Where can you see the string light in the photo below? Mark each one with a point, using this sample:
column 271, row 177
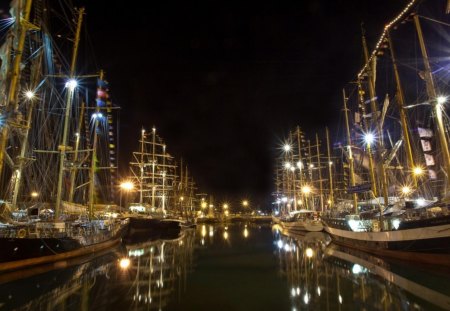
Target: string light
column 383, row 35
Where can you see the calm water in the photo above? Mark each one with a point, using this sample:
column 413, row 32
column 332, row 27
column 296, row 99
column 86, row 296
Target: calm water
column 229, row 267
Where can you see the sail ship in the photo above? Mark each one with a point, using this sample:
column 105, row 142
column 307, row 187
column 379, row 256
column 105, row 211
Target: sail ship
column 48, row 206
column 396, row 209
column 154, row 175
column 299, row 183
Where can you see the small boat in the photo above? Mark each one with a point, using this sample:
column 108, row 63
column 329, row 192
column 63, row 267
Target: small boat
column 302, row 220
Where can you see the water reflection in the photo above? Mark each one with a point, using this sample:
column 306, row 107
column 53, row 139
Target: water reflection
column 323, row 276
column 139, row 276
column 152, row 270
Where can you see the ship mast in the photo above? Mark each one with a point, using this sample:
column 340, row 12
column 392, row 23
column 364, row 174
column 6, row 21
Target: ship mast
column 153, row 166
column 435, row 102
column 401, row 109
column 350, row 153
column 70, row 92
column 319, row 173
column 15, row 75
column 330, row 172
column 374, row 110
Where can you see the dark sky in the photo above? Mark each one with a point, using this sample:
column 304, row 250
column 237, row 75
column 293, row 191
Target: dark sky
column 224, row 82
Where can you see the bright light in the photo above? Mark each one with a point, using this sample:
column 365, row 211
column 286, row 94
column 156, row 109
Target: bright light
column 396, row 223
column 245, row 203
column 204, row 204
column 340, row 299
column 406, row 190
column 225, row 206
column 357, row 269
column 29, row 94
column 245, row 233
column 203, row 231
column 34, row 194
column 420, row 202
column 306, row 189
column 306, row 298
column 124, row 263
column 441, row 100
column 97, row 115
column 417, row 171
column 287, row 147
column 71, row 84
column 330, row 163
column 287, row 165
column 226, row 213
column 311, row 165
column 181, row 199
column 309, row 252
column 280, row 244
column 127, row 185
column 299, row 164
column 369, row 138
column 284, row 199
column 299, row 202
column 225, row 235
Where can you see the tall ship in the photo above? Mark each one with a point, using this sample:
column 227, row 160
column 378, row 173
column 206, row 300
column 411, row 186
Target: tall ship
column 164, row 190
column 52, row 164
column 396, row 155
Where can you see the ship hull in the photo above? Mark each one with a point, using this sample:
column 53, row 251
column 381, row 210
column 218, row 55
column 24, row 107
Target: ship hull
column 143, row 228
column 304, row 226
column 419, row 241
column 26, row 252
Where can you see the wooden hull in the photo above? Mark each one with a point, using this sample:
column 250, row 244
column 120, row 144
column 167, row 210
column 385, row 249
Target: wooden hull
column 82, row 251
column 305, row 226
column 424, row 244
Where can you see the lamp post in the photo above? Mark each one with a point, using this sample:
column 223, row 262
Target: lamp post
column 245, row 205
column 126, row 186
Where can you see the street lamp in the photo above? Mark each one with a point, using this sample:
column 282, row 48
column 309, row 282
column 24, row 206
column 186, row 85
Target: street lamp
column 126, row 186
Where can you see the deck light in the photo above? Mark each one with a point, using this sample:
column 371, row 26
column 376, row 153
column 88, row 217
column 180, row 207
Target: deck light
column 417, row 171
column 71, row 84
column 441, row 100
column 369, row 138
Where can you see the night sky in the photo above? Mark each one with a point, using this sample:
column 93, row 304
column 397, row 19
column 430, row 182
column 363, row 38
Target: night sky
column 224, row 82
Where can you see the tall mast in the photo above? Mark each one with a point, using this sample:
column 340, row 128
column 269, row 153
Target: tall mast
column 401, row 109
column 437, row 106
column 300, row 160
column 350, row 153
column 292, row 168
column 73, row 171
column 374, row 110
column 97, row 116
column 153, row 166
column 141, row 169
column 368, row 144
column 320, row 173
column 164, row 181
column 11, row 103
column 330, row 171
column 70, row 93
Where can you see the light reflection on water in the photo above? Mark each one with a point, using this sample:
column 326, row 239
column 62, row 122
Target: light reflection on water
column 323, row 276
column 234, row 266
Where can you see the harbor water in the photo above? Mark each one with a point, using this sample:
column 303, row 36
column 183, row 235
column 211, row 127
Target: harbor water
column 228, row 266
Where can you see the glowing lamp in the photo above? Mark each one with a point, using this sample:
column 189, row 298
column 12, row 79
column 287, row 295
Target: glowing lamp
column 418, row 171
column 441, row 100
column 71, row 84
column 369, row 138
